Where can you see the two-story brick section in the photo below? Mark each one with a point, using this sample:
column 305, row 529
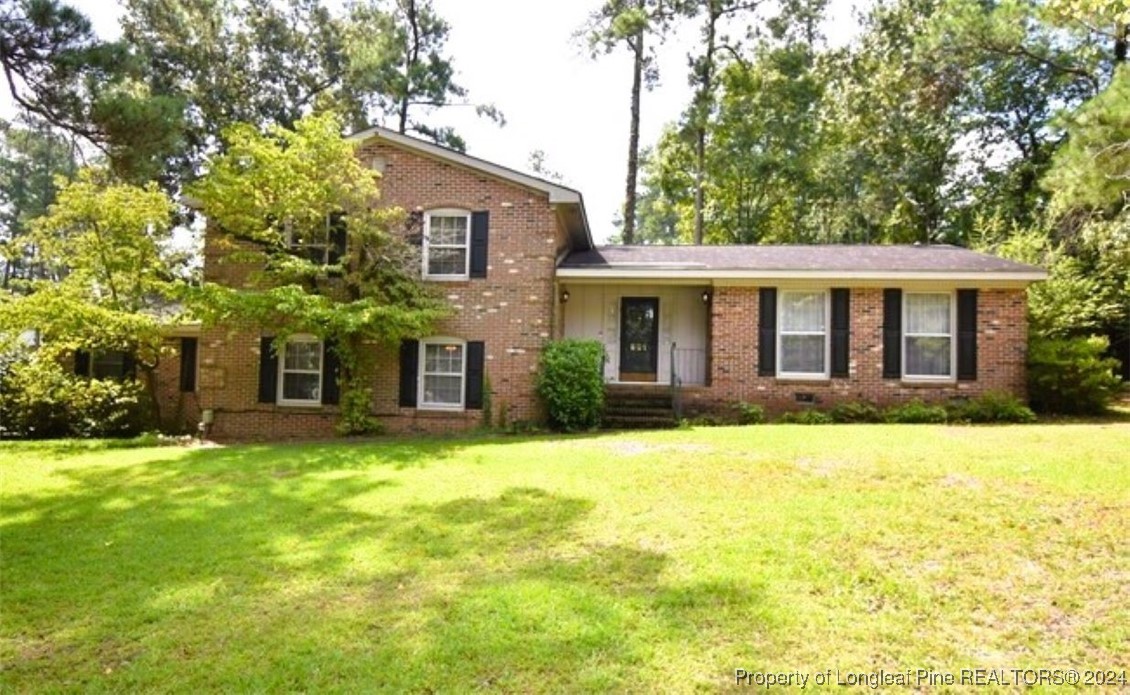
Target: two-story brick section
column 775, row 325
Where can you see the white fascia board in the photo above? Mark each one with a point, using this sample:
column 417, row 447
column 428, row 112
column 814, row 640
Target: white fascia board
column 635, row 273
column 557, row 194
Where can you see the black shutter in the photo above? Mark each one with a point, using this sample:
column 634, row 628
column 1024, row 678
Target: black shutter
column 331, row 372
column 409, row 366
column 268, row 371
column 480, row 227
column 841, row 331
column 338, row 237
column 767, row 332
column 892, row 333
column 129, row 365
column 188, row 364
column 967, row 335
column 473, row 395
column 82, row 363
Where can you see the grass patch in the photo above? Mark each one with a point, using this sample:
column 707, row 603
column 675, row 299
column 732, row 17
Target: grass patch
column 634, row 561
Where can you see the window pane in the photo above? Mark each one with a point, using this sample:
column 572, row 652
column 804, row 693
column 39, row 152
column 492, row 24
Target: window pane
column 303, row 355
column 301, row 387
column 927, row 356
column 802, row 354
column 443, row 359
column 927, row 313
column 802, row 311
column 447, row 261
column 443, row 389
column 107, row 365
column 448, row 230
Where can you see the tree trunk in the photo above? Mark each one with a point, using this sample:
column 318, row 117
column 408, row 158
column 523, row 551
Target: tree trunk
column 1121, row 39
column 633, row 144
column 702, row 116
column 413, row 58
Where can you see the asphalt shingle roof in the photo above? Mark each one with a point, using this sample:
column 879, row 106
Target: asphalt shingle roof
column 848, row 258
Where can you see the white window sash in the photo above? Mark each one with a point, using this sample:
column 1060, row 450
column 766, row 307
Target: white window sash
column 950, row 337
column 783, row 333
column 281, row 398
column 429, row 245
column 421, row 401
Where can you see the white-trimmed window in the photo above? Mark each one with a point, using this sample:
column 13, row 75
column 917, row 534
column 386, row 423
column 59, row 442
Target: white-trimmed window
column 316, row 245
column 443, row 373
column 300, row 371
column 447, row 242
column 802, row 334
column 928, row 341
column 107, row 364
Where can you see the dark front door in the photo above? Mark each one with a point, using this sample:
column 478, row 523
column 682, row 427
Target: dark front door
column 639, row 338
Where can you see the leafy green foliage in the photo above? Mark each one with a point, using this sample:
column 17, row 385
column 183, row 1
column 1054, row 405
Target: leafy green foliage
column 104, row 249
column 749, row 413
column 916, row 412
column 59, row 72
column 1070, row 375
column 855, row 411
column 40, row 400
column 30, row 160
column 809, row 416
column 992, row 407
column 570, row 382
column 267, row 191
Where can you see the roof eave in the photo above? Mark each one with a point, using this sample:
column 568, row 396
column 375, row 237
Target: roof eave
column 707, row 275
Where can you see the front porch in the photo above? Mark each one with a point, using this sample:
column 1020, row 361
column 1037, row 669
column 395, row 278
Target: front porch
column 652, row 334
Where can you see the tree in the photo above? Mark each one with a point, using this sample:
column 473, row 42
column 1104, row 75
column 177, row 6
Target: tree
column 629, row 23
column 704, row 68
column 397, row 63
column 60, row 73
column 270, row 62
column 104, row 245
column 280, row 195
column 30, row 160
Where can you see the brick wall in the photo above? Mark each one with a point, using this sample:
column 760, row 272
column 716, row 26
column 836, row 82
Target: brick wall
column 1002, row 335
column 511, row 310
column 179, row 411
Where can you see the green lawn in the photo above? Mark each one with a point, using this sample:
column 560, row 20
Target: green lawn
column 649, row 561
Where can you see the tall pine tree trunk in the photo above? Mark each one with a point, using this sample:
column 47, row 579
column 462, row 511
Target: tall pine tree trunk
column 703, row 103
column 633, row 143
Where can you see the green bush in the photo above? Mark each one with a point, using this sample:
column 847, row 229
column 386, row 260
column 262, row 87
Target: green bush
column 571, row 383
column 40, row 400
column 855, row 412
column 749, row 413
column 1071, row 375
column 916, row 412
column 806, row 417
column 993, row 406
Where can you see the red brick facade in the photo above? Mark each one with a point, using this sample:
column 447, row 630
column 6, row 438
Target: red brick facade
column 515, row 310
column 1002, row 335
column 511, row 310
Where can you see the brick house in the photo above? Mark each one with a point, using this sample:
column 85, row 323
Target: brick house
column 775, row 325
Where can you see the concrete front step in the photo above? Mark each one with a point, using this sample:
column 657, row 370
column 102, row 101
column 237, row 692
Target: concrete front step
column 638, row 422
column 638, row 407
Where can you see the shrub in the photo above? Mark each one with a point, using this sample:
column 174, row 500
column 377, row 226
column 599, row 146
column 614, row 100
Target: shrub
column 993, row 406
column 855, row 412
column 806, row 417
column 571, row 383
column 916, row 412
column 749, row 413
column 40, row 400
column 1070, row 375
